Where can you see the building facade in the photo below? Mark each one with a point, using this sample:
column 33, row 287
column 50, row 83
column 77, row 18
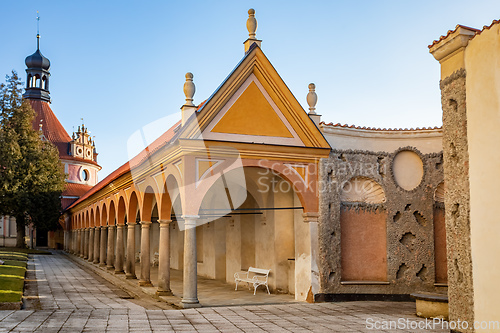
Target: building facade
column 248, row 178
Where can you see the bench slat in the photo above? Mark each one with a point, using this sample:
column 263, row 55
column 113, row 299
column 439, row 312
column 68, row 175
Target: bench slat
column 258, row 270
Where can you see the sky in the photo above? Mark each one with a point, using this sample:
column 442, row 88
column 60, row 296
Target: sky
column 120, row 65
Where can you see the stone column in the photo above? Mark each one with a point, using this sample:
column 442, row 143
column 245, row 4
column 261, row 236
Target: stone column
column 91, row 244
column 130, row 264
column 84, row 241
column 145, row 278
column 97, row 244
column 110, row 260
column 102, row 247
column 119, row 249
column 86, row 234
column 190, row 288
column 164, row 260
column 81, row 240
column 78, row 242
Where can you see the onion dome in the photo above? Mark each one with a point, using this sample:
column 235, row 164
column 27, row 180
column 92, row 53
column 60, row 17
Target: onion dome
column 37, row 83
column 37, row 61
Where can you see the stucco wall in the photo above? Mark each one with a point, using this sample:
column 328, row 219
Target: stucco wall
column 409, row 221
column 344, row 138
column 482, row 63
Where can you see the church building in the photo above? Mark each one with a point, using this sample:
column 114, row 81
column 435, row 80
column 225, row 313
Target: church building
column 77, row 153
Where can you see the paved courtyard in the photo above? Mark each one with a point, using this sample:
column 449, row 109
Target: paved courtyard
column 74, row 299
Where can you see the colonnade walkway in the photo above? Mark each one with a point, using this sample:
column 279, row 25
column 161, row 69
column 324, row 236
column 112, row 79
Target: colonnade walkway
column 66, row 296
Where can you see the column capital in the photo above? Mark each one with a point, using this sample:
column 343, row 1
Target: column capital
column 131, row 224
column 145, row 224
column 110, row 226
column 164, row 223
column 120, row 226
column 190, row 220
column 104, row 226
column 310, row 217
column 97, row 227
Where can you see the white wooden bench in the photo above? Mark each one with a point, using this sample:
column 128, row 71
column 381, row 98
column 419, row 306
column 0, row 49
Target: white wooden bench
column 255, row 276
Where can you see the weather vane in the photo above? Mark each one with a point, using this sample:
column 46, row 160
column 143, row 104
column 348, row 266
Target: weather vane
column 37, row 30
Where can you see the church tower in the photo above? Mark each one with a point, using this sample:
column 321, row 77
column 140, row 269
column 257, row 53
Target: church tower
column 77, row 153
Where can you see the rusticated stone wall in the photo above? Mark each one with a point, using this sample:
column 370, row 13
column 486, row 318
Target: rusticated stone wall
column 457, row 198
column 409, row 221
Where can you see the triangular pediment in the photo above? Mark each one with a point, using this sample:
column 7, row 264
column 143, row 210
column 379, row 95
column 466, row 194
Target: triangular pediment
column 254, row 105
column 251, row 115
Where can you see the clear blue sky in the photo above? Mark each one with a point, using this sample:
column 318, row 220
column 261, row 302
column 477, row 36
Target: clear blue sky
column 120, row 64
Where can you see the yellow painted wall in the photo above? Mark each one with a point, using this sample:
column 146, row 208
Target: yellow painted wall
column 482, row 60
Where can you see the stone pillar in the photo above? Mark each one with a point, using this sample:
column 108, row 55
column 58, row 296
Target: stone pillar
column 102, row 252
column 190, row 288
column 91, row 244
column 110, row 260
column 81, row 241
column 164, row 260
column 145, row 278
column 119, row 249
column 130, row 264
column 86, row 243
column 97, row 244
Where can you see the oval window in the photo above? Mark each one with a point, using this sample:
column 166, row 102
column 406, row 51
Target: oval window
column 85, row 174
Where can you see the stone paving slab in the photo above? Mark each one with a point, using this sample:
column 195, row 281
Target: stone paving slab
column 323, row 317
column 76, row 300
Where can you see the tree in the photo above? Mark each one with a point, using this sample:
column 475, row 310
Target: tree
column 31, row 175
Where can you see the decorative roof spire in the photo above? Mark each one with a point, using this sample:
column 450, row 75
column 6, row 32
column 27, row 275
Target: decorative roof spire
column 37, row 83
column 251, row 24
column 252, row 28
column 312, row 99
column 189, row 89
column 37, row 31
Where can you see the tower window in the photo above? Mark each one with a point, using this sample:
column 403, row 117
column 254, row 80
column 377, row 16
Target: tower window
column 85, row 174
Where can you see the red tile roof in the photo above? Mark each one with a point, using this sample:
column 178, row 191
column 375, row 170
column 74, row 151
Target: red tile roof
column 51, row 127
column 477, row 31
column 76, row 190
column 380, row 129
column 163, row 140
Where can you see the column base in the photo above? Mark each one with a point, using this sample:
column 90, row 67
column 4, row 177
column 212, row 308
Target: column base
column 144, row 283
column 190, row 304
column 96, row 261
column 109, row 268
column 102, row 265
column 129, row 276
column 164, row 293
column 119, row 272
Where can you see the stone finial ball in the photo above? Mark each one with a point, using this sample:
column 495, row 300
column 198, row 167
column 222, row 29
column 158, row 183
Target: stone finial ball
column 312, row 86
column 189, row 75
column 251, row 11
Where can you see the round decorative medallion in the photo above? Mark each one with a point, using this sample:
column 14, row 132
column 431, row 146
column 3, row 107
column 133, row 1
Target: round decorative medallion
column 408, row 169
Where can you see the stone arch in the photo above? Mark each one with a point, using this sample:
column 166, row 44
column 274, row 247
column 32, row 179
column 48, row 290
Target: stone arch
column 98, row 216
column 87, row 219
column 133, row 207
column 112, row 213
column 92, row 219
column 148, row 201
column 121, row 211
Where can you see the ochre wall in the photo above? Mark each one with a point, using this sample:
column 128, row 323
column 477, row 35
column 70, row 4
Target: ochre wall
column 482, row 61
column 363, row 245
